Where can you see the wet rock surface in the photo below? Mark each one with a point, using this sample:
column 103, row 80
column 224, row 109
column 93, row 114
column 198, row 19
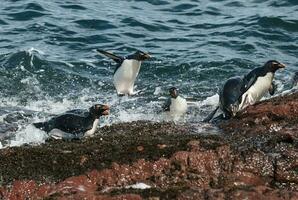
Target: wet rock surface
column 254, row 157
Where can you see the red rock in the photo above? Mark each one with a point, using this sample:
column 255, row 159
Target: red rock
column 3, row 192
column 43, row 191
column 205, row 162
column 93, row 176
column 127, row 197
column 106, row 177
column 257, row 163
column 181, row 157
column 243, row 179
column 214, row 194
column 192, row 194
column 286, row 167
column 263, row 193
column 141, row 170
column 21, row 190
column 160, row 165
column 76, row 184
column 194, row 145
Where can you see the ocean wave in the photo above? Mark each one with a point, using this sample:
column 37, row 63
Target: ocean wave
column 48, row 64
column 154, row 27
column 34, row 6
column 95, row 24
column 277, row 22
column 26, row 15
column 74, row 6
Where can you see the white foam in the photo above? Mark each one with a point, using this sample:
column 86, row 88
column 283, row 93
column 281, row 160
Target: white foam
column 130, row 115
column 157, row 91
column 32, row 50
column 28, row 135
column 210, row 101
column 123, row 109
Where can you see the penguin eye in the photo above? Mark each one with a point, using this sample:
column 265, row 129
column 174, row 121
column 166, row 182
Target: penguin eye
column 96, row 107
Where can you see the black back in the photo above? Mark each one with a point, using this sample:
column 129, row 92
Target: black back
column 270, row 66
column 252, row 77
column 230, row 93
column 69, row 122
column 138, row 55
column 135, row 56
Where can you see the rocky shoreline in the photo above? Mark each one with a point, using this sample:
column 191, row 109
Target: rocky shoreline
column 255, row 157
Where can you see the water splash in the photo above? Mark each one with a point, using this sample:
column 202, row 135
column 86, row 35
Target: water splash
column 28, row 135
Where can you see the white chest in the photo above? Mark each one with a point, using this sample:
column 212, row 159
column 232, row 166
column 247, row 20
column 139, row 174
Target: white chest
column 178, row 106
column 125, row 76
column 261, row 86
column 257, row 90
column 93, row 129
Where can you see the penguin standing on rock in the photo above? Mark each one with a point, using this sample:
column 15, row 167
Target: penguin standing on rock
column 258, row 82
column 74, row 124
column 126, row 71
column 238, row 93
column 176, row 105
column 229, row 99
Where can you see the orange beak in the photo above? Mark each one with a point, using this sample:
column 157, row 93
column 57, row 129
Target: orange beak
column 281, row 65
column 106, row 109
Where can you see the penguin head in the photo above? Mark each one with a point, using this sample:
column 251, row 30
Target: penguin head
column 233, row 109
column 99, row 110
column 139, row 56
column 273, row 65
column 173, row 92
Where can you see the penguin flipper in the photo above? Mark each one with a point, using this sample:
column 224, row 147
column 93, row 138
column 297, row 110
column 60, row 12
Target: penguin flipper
column 210, row 116
column 272, row 88
column 40, row 125
column 248, row 81
column 166, row 106
column 117, row 59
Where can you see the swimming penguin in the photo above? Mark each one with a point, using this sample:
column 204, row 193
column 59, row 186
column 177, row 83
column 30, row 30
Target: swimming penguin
column 238, row 93
column 74, row 124
column 126, row 71
column 176, row 105
column 229, row 99
column 295, row 80
column 258, row 82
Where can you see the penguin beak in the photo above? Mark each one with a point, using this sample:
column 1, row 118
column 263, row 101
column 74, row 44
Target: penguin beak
column 281, row 65
column 234, row 109
column 106, row 110
column 146, row 56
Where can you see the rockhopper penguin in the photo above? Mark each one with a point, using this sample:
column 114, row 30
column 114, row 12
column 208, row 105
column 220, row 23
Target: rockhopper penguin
column 74, row 124
column 126, row 71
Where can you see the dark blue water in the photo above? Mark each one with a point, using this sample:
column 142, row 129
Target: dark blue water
column 48, row 64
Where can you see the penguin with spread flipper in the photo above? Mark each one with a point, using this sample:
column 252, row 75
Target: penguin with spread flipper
column 126, row 71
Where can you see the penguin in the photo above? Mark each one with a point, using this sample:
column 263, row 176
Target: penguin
column 295, row 80
column 258, row 82
column 238, row 93
column 176, row 105
column 229, row 99
column 73, row 124
column 126, row 71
